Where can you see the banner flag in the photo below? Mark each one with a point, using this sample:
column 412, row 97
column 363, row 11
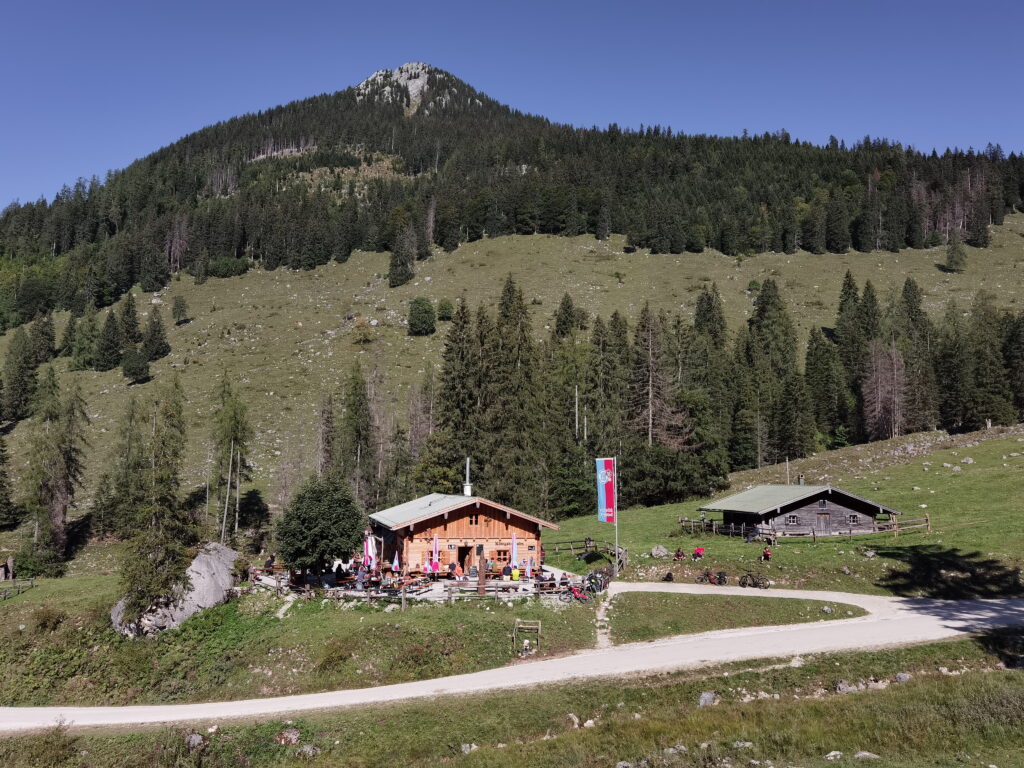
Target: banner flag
column 606, row 501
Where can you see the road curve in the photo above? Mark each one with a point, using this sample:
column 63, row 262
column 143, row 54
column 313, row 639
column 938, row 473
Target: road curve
column 890, row 621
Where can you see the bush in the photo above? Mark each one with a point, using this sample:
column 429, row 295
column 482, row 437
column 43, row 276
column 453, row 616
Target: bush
column 47, row 619
column 445, row 309
column 227, row 267
column 134, row 365
column 421, row 317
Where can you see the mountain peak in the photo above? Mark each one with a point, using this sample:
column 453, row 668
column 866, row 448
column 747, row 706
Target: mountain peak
column 426, row 86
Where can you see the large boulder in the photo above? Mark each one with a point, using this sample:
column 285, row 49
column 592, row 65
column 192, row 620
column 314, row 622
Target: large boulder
column 211, row 576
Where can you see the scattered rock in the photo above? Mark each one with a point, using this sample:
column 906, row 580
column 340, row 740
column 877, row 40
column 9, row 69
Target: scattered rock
column 195, row 742
column 946, row 464
column 957, row 469
column 467, row 748
column 707, row 699
column 742, row 744
column 846, row 570
column 307, row 751
column 574, row 720
column 669, row 751
column 966, row 460
column 623, row 764
column 869, row 554
column 865, row 755
column 835, row 754
column 289, row 737
column 826, row 609
column 904, row 677
column 659, row 551
column 589, row 724
column 844, row 687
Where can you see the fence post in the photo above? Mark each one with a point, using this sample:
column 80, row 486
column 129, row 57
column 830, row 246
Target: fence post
column 403, row 598
column 928, row 519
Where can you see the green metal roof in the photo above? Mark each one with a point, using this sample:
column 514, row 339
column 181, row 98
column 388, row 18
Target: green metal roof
column 417, row 509
column 765, row 498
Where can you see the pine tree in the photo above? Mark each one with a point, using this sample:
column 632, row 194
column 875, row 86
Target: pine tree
column 356, row 436
column 794, row 420
column 709, row 316
column 10, row 513
column 153, row 271
column 67, row 339
column 989, row 397
column 458, row 398
column 122, row 489
column 837, row 224
column 19, row 384
column 154, row 342
column 134, row 365
column 870, row 314
column 109, row 345
column 445, row 310
column 849, row 336
column 55, row 456
column 154, row 568
column 325, row 435
column 403, row 255
column 952, row 368
column 83, row 350
column 977, row 223
column 179, row 310
column 41, row 336
column 772, row 331
column 231, row 438
column 128, row 317
column 956, row 254
column 826, row 386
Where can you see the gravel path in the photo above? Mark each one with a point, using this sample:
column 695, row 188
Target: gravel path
column 890, row 622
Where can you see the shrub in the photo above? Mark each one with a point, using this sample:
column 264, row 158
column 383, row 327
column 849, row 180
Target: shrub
column 445, row 309
column 421, row 317
column 227, row 267
column 134, row 365
column 46, row 618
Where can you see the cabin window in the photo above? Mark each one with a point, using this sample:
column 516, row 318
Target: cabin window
column 792, row 519
column 822, row 503
column 502, row 554
column 853, row 519
column 474, row 519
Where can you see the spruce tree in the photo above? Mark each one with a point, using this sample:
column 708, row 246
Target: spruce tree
column 41, row 336
column 772, row 331
column 977, row 223
column 837, row 224
column 109, row 345
column 19, row 384
column 67, row 339
column 83, row 349
column 179, row 310
column 231, row 438
column 134, row 365
column 403, row 255
column 794, row 420
column 154, row 342
column 956, row 254
column 709, row 316
column 457, row 392
column 11, row 514
column 989, row 397
column 357, row 436
column 128, row 317
column 154, row 567
column 826, row 386
column 445, row 310
column 952, row 369
column 122, row 489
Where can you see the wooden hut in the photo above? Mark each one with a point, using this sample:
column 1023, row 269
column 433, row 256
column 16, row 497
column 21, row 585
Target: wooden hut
column 469, row 529
column 801, row 509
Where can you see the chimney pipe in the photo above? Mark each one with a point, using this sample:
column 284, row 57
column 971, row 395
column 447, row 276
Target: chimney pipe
column 799, row 479
column 467, row 487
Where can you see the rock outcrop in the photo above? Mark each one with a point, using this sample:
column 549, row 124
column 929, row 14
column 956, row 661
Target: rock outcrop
column 211, row 576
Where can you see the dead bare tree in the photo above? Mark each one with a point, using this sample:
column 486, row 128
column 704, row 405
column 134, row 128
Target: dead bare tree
column 885, row 391
column 176, row 243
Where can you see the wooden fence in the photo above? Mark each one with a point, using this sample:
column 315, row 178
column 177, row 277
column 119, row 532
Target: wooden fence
column 15, row 587
column 582, row 547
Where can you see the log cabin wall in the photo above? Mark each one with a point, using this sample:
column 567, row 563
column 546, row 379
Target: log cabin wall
column 460, row 532
column 828, row 513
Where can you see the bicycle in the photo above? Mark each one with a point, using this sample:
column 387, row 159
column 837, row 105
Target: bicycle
column 720, row 578
column 572, row 592
column 751, row 579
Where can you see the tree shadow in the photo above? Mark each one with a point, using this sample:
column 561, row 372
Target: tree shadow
column 947, row 573
column 1005, row 644
column 253, row 511
column 946, row 270
column 78, row 531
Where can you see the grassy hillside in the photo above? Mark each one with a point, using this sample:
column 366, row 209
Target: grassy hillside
column 286, row 336
column 975, row 549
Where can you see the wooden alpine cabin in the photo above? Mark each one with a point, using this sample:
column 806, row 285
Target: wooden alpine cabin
column 800, row 510
column 461, row 524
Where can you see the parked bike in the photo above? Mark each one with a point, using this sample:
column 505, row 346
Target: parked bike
column 751, row 579
column 572, row 592
column 720, row 578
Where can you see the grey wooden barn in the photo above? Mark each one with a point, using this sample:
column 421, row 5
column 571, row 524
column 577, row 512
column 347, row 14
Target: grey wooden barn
column 800, row 510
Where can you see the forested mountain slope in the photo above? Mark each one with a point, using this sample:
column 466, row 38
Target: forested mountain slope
column 416, row 158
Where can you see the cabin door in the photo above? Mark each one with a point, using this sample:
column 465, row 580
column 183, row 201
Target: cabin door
column 824, row 522
column 464, row 558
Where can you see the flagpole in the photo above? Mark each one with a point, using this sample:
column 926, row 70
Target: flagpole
column 615, row 508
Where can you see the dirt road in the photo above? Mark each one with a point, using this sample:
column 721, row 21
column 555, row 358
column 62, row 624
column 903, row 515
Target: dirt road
column 890, row 621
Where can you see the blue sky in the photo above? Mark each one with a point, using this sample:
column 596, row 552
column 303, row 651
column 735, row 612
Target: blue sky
column 90, row 87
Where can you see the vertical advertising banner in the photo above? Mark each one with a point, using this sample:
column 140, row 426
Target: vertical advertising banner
column 606, row 501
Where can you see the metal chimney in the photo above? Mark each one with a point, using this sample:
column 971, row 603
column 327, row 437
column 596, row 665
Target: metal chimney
column 799, row 479
column 467, row 487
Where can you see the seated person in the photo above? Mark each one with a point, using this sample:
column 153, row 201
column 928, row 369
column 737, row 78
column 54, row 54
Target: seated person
column 679, row 555
column 506, row 572
column 564, row 581
column 698, row 554
column 766, row 555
